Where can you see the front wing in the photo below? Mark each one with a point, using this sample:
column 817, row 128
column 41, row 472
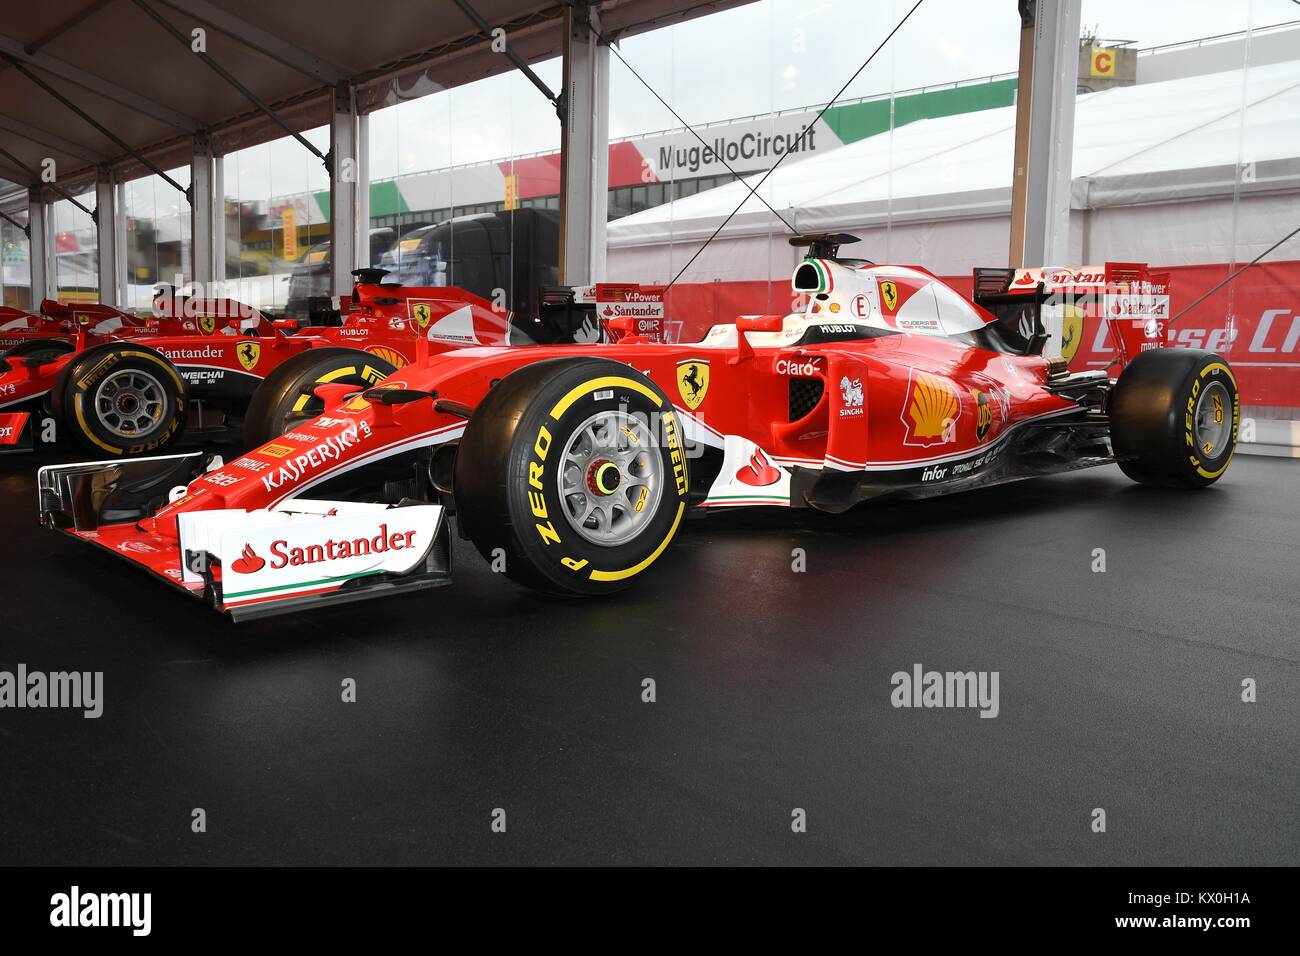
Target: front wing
column 248, row 564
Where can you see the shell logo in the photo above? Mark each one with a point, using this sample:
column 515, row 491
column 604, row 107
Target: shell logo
column 393, row 357
column 930, row 410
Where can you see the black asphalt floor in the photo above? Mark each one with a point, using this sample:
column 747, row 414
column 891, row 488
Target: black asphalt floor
column 1119, row 690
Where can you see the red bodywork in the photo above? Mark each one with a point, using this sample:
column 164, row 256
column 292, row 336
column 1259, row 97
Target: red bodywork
column 798, row 410
column 747, row 396
column 224, row 349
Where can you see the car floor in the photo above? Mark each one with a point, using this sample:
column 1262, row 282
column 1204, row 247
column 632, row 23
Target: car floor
column 1120, row 691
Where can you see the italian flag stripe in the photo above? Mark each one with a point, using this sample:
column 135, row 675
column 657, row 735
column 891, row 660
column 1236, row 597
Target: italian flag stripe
column 299, row 586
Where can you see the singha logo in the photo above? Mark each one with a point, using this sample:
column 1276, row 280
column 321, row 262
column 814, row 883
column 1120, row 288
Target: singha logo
column 851, row 392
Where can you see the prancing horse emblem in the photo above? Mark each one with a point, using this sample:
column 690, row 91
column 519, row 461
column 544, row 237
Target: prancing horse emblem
column 889, row 293
column 249, row 354
column 693, row 381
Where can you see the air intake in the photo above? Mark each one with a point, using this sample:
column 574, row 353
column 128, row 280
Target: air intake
column 805, row 393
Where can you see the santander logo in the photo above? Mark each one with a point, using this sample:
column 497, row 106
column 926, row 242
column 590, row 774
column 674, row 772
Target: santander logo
column 285, row 554
column 248, row 561
column 759, row 472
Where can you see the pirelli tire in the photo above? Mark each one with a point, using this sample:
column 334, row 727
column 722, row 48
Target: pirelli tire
column 284, row 397
column 573, row 471
column 121, row 399
column 1174, row 418
column 43, row 350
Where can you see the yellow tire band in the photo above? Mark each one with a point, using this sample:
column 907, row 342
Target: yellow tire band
column 1236, row 407
column 337, row 374
column 642, row 565
column 81, row 418
column 563, row 405
column 608, row 381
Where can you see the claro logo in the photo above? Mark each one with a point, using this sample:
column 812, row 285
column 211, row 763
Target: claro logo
column 799, row 368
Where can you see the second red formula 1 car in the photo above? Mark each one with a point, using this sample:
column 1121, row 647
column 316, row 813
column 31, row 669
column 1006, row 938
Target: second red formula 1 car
column 123, row 385
column 577, row 463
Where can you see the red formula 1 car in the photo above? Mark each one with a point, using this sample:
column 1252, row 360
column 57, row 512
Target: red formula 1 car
column 577, row 463
column 129, row 386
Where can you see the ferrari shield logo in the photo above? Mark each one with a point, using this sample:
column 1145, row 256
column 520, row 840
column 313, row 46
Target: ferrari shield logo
column 693, row 381
column 249, row 353
column 1071, row 331
column 208, row 324
column 420, row 312
column 889, row 295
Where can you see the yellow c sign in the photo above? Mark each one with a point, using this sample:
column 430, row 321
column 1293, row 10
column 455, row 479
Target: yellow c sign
column 1102, row 62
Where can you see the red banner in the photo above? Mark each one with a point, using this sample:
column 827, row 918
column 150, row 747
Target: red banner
column 1254, row 320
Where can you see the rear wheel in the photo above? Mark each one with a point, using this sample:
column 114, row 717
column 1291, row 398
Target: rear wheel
column 284, row 399
column 574, row 471
column 121, row 399
column 43, row 350
column 1174, row 416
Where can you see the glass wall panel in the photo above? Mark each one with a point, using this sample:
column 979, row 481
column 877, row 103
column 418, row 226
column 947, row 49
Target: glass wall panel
column 277, row 211
column 76, row 247
column 15, row 256
column 465, row 188
column 923, row 130
column 1186, row 136
column 158, row 242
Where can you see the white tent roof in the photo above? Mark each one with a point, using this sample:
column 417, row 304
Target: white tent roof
column 1149, row 142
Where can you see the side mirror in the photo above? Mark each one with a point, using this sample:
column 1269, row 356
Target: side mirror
column 285, row 325
column 759, row 323
column 395, row 396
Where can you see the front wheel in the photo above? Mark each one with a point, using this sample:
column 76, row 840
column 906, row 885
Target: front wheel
column 1174, row 416
column 285, row 399
column 574, row 472
column 121, row 399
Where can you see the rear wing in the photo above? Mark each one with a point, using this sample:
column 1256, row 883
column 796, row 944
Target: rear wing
column 1132, row 301
column 604, row 312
